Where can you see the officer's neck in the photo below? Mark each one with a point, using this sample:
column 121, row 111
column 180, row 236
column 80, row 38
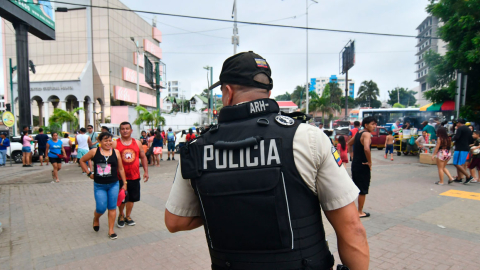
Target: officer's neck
column 240, row 97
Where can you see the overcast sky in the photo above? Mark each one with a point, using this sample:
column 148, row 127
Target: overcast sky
column 389, row 61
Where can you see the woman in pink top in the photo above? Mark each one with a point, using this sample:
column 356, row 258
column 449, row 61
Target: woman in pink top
column 26, row 149
column 343, row 150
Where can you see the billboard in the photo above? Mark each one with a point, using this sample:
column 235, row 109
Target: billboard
column 41, row 10
column 148, row 71
column 347, row 57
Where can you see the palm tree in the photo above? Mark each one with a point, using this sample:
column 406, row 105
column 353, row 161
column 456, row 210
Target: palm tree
column 323, row 105
column 60, row 117
column 297, row 95
column 157, row 118
column 368, row 91
column 151, row 118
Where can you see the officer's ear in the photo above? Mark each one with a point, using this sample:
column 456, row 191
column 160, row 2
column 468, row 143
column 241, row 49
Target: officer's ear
column 269, row 93
column 229, row 95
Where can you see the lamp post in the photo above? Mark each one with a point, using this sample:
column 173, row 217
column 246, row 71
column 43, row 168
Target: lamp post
column 95, row 118
column 306, row 84
column 138, row 79
column 210, row 94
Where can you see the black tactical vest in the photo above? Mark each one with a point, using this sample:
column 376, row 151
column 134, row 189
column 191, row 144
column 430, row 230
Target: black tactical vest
column 258, row 213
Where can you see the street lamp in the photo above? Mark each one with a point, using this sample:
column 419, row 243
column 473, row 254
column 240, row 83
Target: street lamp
column 95, row 118
column 306, row 84
column 210, row 118
column 138, row 79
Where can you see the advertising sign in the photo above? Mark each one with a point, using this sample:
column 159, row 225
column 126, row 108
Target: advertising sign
column 131, row 76
column 8, row 119
column 148, row 71
column 41, row 10
column 152, row 48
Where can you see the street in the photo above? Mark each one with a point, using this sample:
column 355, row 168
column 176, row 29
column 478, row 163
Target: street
column 49, row 226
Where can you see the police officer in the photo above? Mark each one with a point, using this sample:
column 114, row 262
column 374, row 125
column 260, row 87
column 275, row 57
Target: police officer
column 258, row 179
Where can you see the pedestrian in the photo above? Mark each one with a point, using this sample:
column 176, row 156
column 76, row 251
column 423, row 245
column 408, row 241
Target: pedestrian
column 343, row 150
column 395, row 128
column 389, row 140
column 56, row 153
column 432, row 135
column 463, row 138
column 143, row 137
column 362, row 161
column 107, row 172
column 157, row 144
column 190, row 136
column 26, row 149
column 469, row 125
column 197, row 131
column 4, row 144
column 171, row 138
column 443, row 155
column 105, row 130
column 183, row 139
column 320, row 126
column 351, row 134
column 475, row 153
column 67, row 146
column 41, row 140
column 93, row 136
column 84, row 142
column 258, row 186
column 74, row 154
column 131, row 151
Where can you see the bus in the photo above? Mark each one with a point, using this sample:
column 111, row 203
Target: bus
column 387, row 116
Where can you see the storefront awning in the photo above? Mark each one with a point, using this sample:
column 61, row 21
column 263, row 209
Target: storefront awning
column 59, row 72
column 448, row 105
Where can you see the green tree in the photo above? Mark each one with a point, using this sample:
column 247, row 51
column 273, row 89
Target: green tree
column 441, row 77
column 323, row 104
column 298, row 95
column 205, row 93
column 398, row 105
column 407, row 97
column 157, row 118
column 335, row 93
column 61, row 116
column 368, row 91
column 284, row 97
column 460, row 30
column 144, row 116
column 351, row 102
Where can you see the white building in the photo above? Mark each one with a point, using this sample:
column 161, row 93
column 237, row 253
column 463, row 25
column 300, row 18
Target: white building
column 319, row 83
column 426, row 30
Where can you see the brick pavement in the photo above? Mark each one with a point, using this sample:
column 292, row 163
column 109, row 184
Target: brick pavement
column 48, row 226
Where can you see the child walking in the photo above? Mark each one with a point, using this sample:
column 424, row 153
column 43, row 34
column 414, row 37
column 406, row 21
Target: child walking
column 389, row 145
column 73, row 156
column 343, row 150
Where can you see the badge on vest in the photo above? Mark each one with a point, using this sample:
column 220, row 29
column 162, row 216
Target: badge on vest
column 267, row 153
column 336, row 156
column 284, row 120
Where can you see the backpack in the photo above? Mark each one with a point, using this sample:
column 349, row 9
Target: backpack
column 411, row 141
column 170, row 137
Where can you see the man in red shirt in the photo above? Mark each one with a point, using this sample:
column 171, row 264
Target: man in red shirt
column 353, row 131
column 131, row 151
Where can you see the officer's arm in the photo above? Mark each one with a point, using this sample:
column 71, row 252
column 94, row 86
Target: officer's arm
column 351, row 237
column 176, row 223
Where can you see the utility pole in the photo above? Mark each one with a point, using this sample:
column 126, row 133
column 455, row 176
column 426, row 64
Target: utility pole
column 138, row 79
column 346, row 95
column 235, row 37
column 12, row 99
column 398, row 95
column 306, row 84
column 210, row 101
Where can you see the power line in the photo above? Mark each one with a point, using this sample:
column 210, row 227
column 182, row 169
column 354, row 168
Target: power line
column 242, row 22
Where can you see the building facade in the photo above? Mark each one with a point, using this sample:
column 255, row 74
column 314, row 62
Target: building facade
column 91, row 64
column 426, row 30
column 318, row 84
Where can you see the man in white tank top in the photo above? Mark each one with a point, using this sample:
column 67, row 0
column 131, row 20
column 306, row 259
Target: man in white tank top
column 84, row 142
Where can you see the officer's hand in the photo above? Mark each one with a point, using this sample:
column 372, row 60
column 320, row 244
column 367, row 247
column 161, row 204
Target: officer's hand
column 369, row 164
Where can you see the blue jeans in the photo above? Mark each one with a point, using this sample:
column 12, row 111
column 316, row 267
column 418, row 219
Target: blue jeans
column 105, row 196
column 3, row 157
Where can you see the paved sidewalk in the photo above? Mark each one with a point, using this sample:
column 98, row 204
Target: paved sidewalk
column 49, row 226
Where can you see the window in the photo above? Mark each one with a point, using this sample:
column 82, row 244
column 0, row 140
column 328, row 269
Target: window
column 394, row 116
column 382, row 131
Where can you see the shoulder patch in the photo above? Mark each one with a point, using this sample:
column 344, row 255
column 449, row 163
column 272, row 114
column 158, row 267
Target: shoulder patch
column 284, row 120
column 336, row 156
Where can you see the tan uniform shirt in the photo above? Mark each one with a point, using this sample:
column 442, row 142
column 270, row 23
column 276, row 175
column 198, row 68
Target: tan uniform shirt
column 312, row 151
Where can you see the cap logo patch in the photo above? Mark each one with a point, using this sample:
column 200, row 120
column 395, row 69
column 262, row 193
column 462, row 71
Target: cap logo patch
column 261, row 62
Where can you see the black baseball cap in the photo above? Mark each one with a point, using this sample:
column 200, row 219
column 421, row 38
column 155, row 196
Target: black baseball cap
column 461, row 121
column 242, row 68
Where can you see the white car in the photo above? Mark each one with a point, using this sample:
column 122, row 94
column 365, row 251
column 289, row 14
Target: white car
column 16, row 148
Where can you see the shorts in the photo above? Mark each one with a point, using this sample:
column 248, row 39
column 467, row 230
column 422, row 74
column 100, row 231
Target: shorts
column 26, row 149
column 157, row 150
column 41, row 152
column 475, row 163
column 133, row 190
column 171, row 146
column 444, row 154
column 389, row 148
column 73, row 156
column 105, row 196
column 55, row 160
column 361, row 178
column 460, row 157
column 81, row 152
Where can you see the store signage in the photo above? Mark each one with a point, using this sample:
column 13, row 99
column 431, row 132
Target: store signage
column 41, row 10
column 130, row 95
column 140, row 59
column 51, row 88
column 156, row 34
column 8, row 119
column 150, row 47
column 131, row 76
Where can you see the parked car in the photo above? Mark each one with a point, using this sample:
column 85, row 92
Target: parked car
column 379, row 136
column 341, row 123
column 16, row 146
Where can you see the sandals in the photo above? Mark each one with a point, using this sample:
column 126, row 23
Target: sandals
column 440, row 184
column 451, row 181
column 366, row 215
column 112, row 236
